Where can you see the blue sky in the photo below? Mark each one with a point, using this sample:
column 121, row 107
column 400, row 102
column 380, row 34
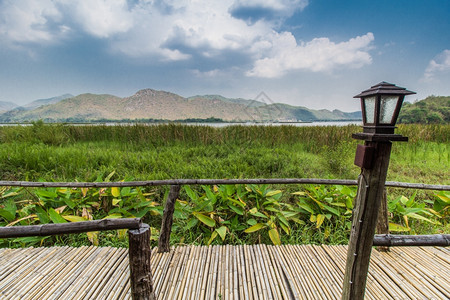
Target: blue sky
column 315, row 53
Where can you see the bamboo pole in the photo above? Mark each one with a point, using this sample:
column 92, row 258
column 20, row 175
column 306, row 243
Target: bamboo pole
column 140, row 258
column 319, row 181
column 167, row 220
column 412, row 240
column 67, row 228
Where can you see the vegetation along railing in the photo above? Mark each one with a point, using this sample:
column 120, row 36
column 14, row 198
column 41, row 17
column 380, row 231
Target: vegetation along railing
column 139, row 233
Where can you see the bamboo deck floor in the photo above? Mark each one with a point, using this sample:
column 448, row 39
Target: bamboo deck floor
column 222, row 272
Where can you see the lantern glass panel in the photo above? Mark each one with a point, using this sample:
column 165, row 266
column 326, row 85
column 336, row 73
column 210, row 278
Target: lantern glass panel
column 387, row 108
column 369, row 107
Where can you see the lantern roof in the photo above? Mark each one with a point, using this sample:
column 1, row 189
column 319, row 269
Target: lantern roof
column 386, row 89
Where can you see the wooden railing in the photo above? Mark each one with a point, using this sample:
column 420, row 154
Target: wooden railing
column 139, row 233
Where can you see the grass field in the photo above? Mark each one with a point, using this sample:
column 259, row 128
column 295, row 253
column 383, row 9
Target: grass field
column 141, row 152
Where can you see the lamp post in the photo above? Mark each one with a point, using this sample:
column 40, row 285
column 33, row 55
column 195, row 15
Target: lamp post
column 380, row 107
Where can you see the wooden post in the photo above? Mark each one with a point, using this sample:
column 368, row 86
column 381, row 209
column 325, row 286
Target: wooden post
column 365, row 213
column 383, row 221
column 167, row 220
column 139, row 254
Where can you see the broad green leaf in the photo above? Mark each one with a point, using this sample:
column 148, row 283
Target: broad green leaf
column 126, row 191
column 332, row 210
column 69, row 203
column 209, row 194
column 306, row 207
column 42, row 215
column 254, row 212
column 192, row 195
column 274, row 236
column 46, row 194
column 71, row 218
column 320, row 219
column 272, row 193
column 113, row 216
column 254, row 228
column 286, row 229
column 7, row 215
column 251, row 222
column 191, row 223
column 222, row 231
column 108, row 178
column 419, row 217
column 55, row 217
column 115, row 191
column 213, row 236
column 299, row 193
column 115, row 201
column 93, row 237
column 236, row 209
column 205, row 219
column 396, row 227
column 403, row 200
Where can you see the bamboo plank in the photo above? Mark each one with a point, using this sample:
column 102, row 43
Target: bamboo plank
column 233, row 272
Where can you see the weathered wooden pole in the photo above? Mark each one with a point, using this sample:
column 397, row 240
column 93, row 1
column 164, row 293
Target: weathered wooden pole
column 365, row 214
column 167, row 220
column 383, row 221
column 380, row 107
column 139, row 254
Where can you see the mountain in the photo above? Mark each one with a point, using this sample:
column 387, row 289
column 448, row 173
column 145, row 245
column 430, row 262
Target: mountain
column 161, row 105
column 5, row 106
column 433, row 109
column 40, row 102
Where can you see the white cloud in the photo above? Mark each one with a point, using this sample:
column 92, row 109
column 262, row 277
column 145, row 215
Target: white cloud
column 439, row 65
column 318, row 55
column 181, row 30
column 30, row 21
column 100, row 18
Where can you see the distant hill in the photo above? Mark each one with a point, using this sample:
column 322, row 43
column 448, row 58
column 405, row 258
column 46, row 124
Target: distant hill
column 5, row 106
column 40, row 102
column 433, row 109
column 149, row 104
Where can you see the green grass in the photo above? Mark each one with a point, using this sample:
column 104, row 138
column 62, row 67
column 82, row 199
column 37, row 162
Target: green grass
column 140, row 152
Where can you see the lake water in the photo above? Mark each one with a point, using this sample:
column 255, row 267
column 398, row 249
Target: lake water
column 212, row 124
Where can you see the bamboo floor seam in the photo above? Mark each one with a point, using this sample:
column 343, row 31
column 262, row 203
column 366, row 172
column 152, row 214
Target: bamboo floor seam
column 222, row 272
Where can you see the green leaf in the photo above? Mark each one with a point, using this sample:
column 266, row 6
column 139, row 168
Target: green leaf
column 42, row 215
column 332, row 210
column 251, row 222
column 209, row 194
column 191, row 194
column 7, row 215
column 419, row 217
column 55, row 217
column 320, row 219
column 46, row 194
column 191, row 223
column 71, row 218
column 213, row 236
column 396, row 227
column 70, row 203
column 272, row 193
column 306, row 207
column 254, row 228
column 204, row 219
column 274, row 236
column 222, row 231
column 115, row 191
column 236, row 209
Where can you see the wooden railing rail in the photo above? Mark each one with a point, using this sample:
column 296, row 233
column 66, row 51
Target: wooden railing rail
column 219, row 181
